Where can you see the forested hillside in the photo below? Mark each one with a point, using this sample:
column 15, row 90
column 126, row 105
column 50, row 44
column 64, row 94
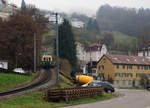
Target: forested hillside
column 125, row 29
column 129, row 21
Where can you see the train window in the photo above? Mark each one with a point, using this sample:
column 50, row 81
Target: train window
column 44, row 58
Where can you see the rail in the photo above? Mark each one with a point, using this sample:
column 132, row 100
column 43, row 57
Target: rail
column 42, row 78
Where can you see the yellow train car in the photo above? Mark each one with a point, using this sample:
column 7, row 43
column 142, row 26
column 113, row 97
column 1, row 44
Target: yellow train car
column 46, row 58
column 46, row 61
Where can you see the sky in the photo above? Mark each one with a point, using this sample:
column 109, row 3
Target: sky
column 83, row 6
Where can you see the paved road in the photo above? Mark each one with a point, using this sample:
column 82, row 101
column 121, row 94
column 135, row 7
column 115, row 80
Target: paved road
column 131, row 99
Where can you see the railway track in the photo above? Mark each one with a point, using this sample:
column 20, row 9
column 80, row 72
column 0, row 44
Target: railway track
column 43, row 81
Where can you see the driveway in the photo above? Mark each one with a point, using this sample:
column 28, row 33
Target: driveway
column 131, row 99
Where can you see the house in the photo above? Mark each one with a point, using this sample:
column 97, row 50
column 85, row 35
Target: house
column 88, row 57
column 124, row 71
column 93, row 53
column 4, row 64
column 145, row 51
column 77, row 24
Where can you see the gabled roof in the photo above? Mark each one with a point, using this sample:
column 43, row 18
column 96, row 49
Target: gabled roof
column 124, row 59
column 94, row 47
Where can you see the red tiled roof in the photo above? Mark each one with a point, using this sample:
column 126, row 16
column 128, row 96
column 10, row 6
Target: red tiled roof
column 123, row 59
column 95, row 45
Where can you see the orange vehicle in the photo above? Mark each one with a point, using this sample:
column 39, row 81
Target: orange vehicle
column 83, row 79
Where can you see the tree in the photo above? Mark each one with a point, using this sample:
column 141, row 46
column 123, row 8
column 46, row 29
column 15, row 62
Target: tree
column 108, row 39
column 144, row 80
column 67, row 48
column 17, row 41
column 92, row 26
column 143, row 37
column 17, row 37
column 37, row 16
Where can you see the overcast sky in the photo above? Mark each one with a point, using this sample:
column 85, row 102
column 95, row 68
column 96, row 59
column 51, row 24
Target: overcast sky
column 83, row 5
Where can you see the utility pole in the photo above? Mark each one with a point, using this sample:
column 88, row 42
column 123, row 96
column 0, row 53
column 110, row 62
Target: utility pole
column 57, row 48
column 34, row 52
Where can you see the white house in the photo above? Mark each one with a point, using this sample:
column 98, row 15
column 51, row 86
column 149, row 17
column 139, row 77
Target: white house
column 3, row 64
column 89, row 56
column 95, row 51
column 76, row 23
column 145, row 51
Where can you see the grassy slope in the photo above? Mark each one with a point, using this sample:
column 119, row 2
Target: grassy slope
column 35, row 100
column 8, row 81
column 121, row 38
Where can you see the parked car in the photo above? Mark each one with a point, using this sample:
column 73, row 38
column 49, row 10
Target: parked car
column 105, row 85
column 19, row 70
column 148, row 86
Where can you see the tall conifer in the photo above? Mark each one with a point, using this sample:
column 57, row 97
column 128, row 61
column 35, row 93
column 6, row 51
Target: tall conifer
column 67, row 48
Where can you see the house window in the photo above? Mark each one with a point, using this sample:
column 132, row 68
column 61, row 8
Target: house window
column 124, row 66
column 129, row 74
column 129, row 82
column 138, row 75
column 116, row 74
column 117, row 66
column 142, row 67
column 121, row 75
column 146, row 67
column 104, row 60
column 101, row 67
column 124, row 74
column 129, row 66
column 138, row 67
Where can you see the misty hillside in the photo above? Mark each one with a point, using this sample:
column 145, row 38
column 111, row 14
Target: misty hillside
column 128, row 28
column 126, row 20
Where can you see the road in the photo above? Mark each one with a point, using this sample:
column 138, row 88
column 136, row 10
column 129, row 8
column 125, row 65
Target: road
column 131, row 99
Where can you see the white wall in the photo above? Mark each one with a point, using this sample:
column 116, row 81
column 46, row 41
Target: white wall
column 4, row 65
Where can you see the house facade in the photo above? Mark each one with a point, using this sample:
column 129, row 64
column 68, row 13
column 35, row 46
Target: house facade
column 4, row 64
column 95, row 51
column 124, row 71
column 87, row 57
column 145, row 51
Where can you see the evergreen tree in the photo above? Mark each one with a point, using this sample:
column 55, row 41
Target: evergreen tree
column 67, row 48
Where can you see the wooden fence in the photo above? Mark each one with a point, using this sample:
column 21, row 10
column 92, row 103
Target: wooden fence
column 68, row 94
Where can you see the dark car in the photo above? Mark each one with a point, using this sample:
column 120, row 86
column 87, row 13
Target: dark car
column 106, row 86
column 148, row 86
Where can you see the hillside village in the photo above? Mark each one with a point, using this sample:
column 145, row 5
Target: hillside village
column 59, row 58
column 89, row 56
column 124, row 70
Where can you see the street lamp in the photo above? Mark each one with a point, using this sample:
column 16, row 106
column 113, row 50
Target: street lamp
column 34, row 52
column 57, row 46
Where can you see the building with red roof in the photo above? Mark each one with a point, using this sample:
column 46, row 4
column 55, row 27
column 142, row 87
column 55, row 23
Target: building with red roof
column 123, row 70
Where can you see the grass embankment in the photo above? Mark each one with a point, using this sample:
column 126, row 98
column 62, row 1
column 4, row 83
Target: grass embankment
column 35, row 100
column 123, row 40
column 8, row 81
